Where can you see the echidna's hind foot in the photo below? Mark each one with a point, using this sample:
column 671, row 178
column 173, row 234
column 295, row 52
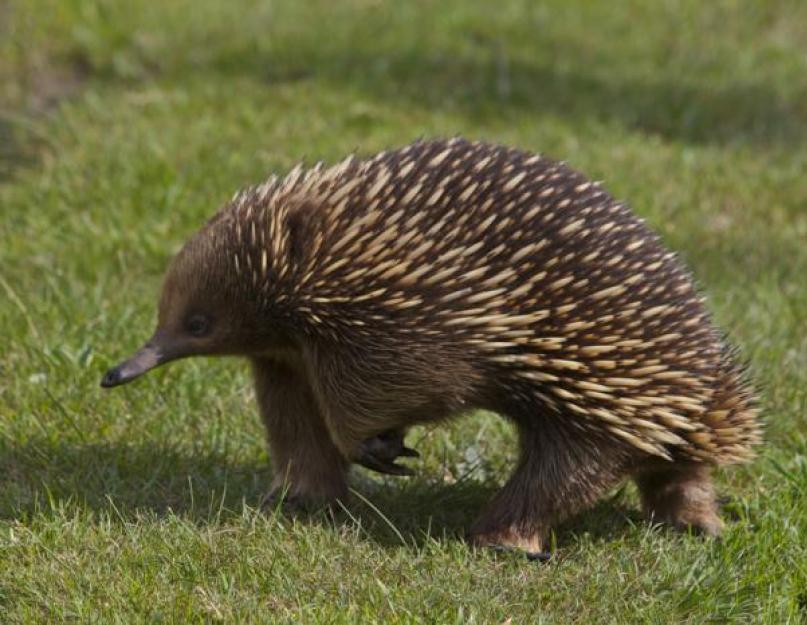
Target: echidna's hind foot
column 558, row 475
column 682, row 496
column 530, row 540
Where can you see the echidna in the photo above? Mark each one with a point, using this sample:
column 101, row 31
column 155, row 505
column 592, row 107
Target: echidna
column 449, row 276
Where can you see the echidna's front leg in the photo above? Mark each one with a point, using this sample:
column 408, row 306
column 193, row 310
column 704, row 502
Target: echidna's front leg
column 556, row 477
column 308, row 468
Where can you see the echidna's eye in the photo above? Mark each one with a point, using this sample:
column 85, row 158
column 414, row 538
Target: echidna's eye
column 197, row 325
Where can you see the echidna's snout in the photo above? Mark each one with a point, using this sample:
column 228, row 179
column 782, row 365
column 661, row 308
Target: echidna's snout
column 148, row 357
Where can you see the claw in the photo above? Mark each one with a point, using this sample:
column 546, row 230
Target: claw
column 532, row 556
column 380, row 452
column 408, row 452
column 539, row 556
column 278, row 499
column 388, row 468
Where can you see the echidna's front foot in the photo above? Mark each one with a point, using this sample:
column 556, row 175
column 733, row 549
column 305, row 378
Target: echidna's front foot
column 380, row 453
column 293, row 504
column 283, row 500
column 299, row 492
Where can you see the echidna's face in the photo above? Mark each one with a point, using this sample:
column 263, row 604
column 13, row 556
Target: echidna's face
column 202, row 312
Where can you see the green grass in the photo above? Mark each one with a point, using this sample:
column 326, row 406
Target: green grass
column 123, row 125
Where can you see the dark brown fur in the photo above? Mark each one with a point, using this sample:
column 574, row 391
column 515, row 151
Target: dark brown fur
column 450, row 276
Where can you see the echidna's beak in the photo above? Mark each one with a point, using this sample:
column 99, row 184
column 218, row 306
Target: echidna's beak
column 148, row 357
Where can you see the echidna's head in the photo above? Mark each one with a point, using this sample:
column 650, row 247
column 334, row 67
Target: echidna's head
column 204, row 309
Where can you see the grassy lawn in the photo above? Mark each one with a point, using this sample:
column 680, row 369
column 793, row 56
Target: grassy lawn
column 125, row 124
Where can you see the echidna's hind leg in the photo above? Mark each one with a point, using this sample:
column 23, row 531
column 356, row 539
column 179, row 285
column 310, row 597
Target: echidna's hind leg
column 681, row 495
column 308, row 468
column 559, row 473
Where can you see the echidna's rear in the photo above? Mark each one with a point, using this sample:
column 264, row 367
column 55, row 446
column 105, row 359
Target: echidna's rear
column 732, row 425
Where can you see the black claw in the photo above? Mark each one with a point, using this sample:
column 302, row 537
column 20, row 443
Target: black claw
column 380, row 453
column 280, row 500
column 384, row 466
column 532, row 556
column 539, row 556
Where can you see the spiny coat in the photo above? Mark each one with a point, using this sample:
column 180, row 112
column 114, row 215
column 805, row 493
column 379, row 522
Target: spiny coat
column 447, row 276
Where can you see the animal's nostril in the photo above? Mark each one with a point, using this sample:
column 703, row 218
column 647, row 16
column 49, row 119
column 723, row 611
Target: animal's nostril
column 111, row 378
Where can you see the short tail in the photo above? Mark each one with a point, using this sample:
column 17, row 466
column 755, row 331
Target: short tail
column 732, row 421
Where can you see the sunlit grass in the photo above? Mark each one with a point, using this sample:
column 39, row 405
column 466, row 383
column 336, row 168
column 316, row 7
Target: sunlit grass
column 123, row 125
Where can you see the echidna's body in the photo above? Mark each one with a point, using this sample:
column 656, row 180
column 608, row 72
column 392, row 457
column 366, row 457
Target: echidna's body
column 448, row 276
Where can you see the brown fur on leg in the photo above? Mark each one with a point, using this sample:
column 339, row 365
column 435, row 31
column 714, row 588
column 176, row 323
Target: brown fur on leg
column 559, row 473
column 681, row 495
column 308, row 468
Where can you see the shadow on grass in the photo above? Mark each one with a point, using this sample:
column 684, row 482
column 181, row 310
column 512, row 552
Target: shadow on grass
column 134, row 477
column 126, row 481
column 12, row 154
column 21, row 138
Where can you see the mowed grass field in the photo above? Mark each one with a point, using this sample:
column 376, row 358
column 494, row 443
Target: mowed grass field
column 124, row 125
